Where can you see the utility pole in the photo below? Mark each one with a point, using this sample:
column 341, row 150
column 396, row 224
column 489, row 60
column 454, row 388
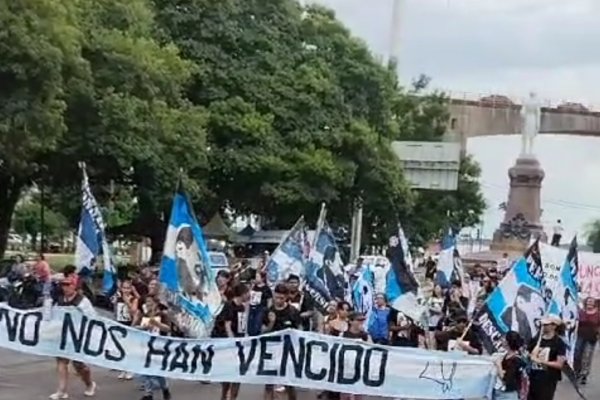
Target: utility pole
column 396, row 33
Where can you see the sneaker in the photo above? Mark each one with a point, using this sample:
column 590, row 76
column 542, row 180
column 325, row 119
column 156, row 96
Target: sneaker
column 128, row 376
column 91, row 391
column 122, row 375
column 58, row 396
column 166, row 394
column 280, row 389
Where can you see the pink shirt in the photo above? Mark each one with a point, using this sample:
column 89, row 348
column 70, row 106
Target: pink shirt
column 42, row 271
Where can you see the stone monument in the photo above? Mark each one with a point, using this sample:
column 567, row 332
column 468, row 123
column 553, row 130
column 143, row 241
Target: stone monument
column 523, row 208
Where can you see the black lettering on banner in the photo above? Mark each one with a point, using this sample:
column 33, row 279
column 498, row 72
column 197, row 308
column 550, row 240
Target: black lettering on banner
column 205, row 356
column 266, row 356
column 290, row 352
column 333, row 362
column 90, row 341
column 35, row 338
column 346, row 348
column 180, row 359
column 244, row 359
column 310, row 374
column 91, row 337
column 69, row 330
column 120, row 355
column 163, row 352
column 368, row 363
column 16, row 326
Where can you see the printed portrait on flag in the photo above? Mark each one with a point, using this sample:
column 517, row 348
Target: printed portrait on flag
column 524, row 314
column 331, row 272
column 190, row 268
column 188, row 285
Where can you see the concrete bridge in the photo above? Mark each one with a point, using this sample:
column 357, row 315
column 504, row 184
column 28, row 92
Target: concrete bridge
column 499, row 115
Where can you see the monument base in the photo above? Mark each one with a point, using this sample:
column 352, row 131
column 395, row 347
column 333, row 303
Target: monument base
column 523, row 209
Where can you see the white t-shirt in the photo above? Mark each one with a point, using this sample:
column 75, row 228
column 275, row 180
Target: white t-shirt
column 558, row 229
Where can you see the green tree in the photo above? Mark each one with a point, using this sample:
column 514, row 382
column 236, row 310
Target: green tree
column 27, row 221
column 40, row 54
column 299, row 110
column 593, row 235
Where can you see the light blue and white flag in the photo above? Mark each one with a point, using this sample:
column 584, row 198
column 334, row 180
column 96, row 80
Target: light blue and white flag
column 402, row 288
column 516, row 304
column 449, row 267
column 291, row 254
column 92, row 245
column 188, row 283
column 363, row 293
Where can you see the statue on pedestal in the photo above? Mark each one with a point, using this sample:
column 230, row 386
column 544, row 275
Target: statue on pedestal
column 531, row 114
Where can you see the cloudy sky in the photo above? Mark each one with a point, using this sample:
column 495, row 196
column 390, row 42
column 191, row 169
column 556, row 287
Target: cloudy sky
column 511, row 47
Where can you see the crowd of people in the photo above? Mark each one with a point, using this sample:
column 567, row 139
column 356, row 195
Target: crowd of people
column 252, row 307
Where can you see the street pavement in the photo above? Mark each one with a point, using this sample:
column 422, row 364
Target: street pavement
column 25, row 377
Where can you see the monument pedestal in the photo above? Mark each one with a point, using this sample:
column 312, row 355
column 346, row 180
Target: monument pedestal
column 523, row 209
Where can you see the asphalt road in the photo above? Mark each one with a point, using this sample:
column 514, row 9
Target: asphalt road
column 25, row 377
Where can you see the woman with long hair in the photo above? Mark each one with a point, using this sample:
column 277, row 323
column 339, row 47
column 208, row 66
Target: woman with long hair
column 548, row 355
column 587, row 337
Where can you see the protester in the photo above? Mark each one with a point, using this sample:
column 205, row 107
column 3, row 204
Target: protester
column 355, row 331
column 42, row 271
column 235, row 318
column 260, row 299
column 435, row 306
column 281, row 315
column 459, row 336
column 379, row 324
column 70, row 296
column 404, row 332
column 557, row 232
column 587, row 337
column 548, row 355
column 224, row 280
column 153, row 321
column 339, row 324
column 125, row 304
column 300, row 301
column 510, row 368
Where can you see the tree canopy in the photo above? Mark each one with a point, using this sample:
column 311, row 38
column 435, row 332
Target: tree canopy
column 259, row 105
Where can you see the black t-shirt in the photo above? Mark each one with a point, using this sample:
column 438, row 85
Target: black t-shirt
column 405, row 338
column 285, row 318
column 237, row 315
column 352, row 335
column 444, row 338
column 550, row 350
column 260, row 296
column 512, row 366
column 302, row 302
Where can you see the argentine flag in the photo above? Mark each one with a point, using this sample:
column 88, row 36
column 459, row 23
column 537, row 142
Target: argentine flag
column 91, row 240
column 188, row 283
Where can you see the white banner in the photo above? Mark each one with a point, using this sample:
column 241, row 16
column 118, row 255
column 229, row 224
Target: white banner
column 289, row 357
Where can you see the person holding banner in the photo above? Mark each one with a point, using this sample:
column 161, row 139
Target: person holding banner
column 300, row 301
column 281, row 315
column 235, row 319
column 71, row 297
column 548, row 357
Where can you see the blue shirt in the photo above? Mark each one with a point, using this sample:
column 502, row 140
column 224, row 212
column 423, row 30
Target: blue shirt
column 379, row 325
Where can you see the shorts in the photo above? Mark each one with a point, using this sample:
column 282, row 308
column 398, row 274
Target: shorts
column 78, row 365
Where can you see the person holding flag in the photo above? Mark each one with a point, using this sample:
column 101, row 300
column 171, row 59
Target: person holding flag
column 548, row 356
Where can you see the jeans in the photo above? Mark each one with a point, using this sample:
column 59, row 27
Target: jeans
column 255, row 320
column 500, row 395
column 584, row 353
column 152, row 383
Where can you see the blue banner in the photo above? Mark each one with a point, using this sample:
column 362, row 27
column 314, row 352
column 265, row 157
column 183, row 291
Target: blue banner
column 92, row 246
column 187, row 279
column 290, row 256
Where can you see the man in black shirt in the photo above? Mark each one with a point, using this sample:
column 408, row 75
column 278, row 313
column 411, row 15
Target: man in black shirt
column 235, row 321
column 280, row 316
column 300, row 301
column 459, row 338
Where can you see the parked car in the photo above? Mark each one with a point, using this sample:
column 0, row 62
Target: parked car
column 218, row 261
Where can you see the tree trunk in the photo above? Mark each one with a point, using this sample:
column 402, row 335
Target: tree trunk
column 10, row 191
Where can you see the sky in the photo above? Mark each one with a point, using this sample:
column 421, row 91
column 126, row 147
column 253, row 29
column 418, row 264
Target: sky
column 511, row 47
